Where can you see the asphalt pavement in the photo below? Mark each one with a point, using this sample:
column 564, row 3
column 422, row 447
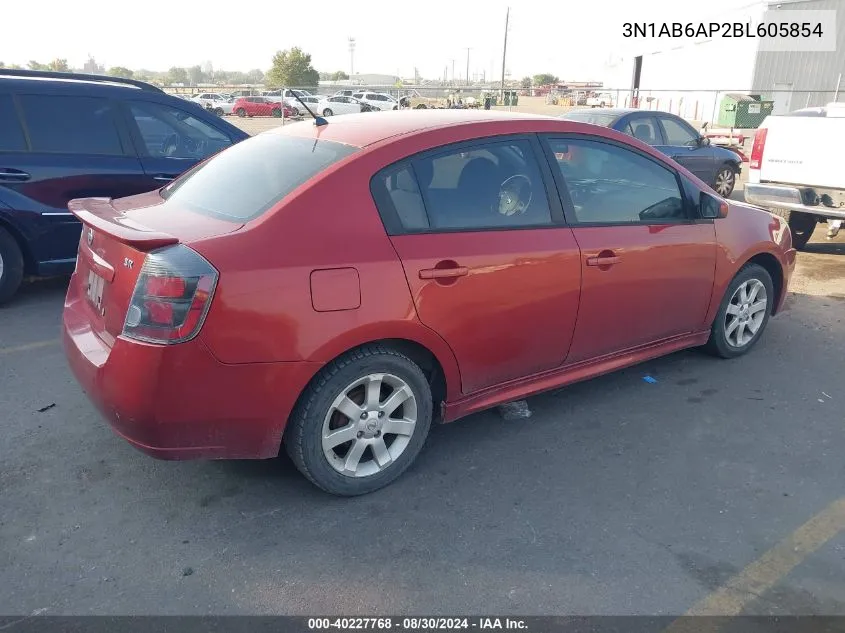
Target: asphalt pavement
column 717, row 489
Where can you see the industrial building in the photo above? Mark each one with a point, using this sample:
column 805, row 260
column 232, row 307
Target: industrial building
column 690, row 77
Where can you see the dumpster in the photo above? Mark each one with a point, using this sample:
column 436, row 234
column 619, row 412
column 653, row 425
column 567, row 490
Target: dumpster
column 743, row 111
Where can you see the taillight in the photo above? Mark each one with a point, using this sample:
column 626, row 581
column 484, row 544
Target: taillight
column 758, row 147
column 172, row 296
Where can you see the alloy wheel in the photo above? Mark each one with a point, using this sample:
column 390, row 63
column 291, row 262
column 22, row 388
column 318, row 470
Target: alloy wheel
column 745, row 313
column 725, row 182
column 369, row 425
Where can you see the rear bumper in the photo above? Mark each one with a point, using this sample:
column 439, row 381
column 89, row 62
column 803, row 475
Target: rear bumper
column 179, row 402
column 788, row 197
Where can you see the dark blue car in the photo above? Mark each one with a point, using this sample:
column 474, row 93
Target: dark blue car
column 65, row 136
column 717, row 166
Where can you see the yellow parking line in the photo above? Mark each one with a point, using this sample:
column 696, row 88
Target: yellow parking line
column 27, row 347
column 761, row 575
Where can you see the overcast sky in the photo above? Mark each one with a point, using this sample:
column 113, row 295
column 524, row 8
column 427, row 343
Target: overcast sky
column 574, row 39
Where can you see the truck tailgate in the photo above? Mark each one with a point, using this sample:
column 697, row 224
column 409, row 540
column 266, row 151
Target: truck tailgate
column 804, row 151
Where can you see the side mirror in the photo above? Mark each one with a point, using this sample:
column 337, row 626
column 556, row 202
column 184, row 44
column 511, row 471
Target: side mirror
column 712, row 207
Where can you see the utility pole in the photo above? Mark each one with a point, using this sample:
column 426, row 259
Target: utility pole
column 453, row 71
column 468, row 50
column 505, row 49
column 351, row 57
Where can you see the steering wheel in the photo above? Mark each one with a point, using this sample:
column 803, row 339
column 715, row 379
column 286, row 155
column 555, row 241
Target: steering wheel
column 174, row 143
column 515, row 195
column 170, row 145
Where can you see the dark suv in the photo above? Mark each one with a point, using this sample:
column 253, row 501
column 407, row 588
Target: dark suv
column 65, row 136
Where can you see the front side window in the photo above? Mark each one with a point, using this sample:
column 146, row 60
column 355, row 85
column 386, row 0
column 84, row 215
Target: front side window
column 609, row 184
column 169, row 132
column 251, row 177
column 678, row 133
column 71, row 124
column 496, row 185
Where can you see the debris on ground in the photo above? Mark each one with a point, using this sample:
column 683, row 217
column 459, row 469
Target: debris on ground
column 47, row 408
column 515, row 410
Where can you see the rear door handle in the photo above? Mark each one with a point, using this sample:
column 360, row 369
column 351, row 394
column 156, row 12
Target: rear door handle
column 444, row 273
column 14, row 175
column 603, row 259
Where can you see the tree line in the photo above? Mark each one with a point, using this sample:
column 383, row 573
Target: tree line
column 290, row 67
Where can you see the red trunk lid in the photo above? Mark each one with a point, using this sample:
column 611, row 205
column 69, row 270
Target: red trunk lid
column 116, row 236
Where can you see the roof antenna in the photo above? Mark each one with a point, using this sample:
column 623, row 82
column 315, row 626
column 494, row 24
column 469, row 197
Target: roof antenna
column 318, row 120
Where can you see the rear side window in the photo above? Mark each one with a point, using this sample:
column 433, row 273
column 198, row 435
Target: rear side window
column 71, row 125
column 11, row 133
column 496, row 185
column 249, row 178
column 644, row 129
column 585, row 116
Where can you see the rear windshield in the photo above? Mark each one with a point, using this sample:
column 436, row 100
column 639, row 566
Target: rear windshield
column 586, row 116
column 247, row 179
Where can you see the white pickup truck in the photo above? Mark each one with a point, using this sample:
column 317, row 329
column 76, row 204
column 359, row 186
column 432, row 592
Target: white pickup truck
column 797, row 169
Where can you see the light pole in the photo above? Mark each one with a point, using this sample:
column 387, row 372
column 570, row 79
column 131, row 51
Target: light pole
column 351, row 57
column 468, row 50
column 505, row 49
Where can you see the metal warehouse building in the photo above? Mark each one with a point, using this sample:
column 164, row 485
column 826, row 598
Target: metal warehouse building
column 690, row 77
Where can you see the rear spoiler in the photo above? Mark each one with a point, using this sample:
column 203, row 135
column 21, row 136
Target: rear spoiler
column 100, row 214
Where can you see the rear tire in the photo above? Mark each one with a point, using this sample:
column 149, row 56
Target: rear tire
column 328, row 112
column 801, row 225
column 360, row 459
column 218, row 111
column 741, row 321
column 276, row 113
column 11, row 266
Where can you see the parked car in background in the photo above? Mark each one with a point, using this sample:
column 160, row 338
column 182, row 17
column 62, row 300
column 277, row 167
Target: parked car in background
column 794, row 171
column 377, row 100
column 259, row 308
column 600, row 100
column 65, row 135
column 331, row 106
column 261, row 106
column 415, row 99
column 286, row 95
column 217, row 103
column 672, row 135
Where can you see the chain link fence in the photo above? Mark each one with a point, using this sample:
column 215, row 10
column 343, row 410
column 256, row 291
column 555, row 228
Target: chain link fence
column 719, row 109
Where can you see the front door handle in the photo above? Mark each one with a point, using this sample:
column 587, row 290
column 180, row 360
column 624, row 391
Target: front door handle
column 14, row 175
column 605, row 258
column 444, row 273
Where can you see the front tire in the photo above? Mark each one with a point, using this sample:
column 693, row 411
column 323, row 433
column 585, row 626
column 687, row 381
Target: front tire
column 328, row 112
column 725, row 180
column 276, row 113
column 801, row 225
column 11, row 266
column 743, row 313
column 361, row 422
column 241, row 112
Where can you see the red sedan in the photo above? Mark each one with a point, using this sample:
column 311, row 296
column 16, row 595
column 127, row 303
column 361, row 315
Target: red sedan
column 260, row 106
column 339, row 288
